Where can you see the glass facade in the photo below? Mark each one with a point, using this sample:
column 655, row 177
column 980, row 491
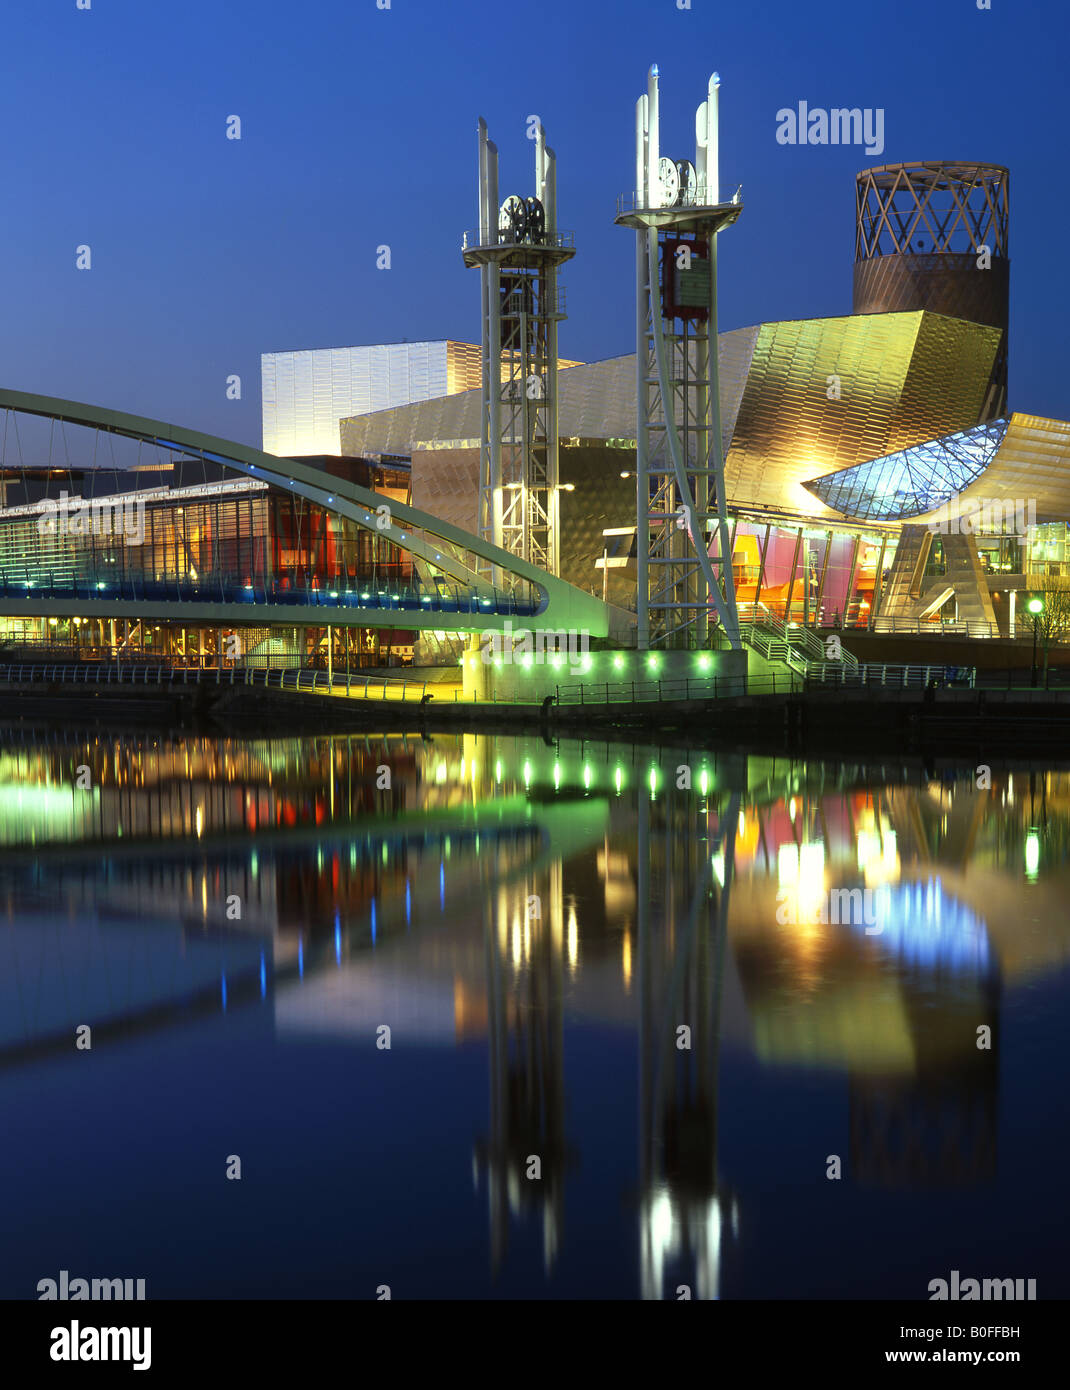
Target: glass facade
column 156, row 525
column 817, row 576
column 915, row 480
column 1049, row 549
column 260, row 546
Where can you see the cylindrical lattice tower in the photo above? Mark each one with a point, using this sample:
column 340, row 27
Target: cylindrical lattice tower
column 921, row 233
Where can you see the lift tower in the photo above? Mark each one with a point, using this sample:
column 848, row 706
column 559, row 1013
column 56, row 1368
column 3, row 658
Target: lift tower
column 677, row 212
column 518, row 250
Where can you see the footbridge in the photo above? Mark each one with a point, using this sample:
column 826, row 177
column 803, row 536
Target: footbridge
column 154, row 474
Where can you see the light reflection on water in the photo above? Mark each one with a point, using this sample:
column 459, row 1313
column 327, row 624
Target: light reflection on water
column 581, row 944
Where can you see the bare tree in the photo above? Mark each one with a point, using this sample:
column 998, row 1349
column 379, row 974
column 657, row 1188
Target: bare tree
column 1053, row 620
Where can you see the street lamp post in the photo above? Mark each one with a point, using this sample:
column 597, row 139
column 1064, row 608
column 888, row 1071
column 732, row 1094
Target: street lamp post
column 1036, row 607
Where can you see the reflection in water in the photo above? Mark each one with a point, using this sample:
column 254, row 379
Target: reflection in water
column 683, row 918
column 525, row 966
column 511, row 895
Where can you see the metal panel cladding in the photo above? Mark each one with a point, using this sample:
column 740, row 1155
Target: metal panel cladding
column 306, row 393
column 823, row 394
column 596, row 401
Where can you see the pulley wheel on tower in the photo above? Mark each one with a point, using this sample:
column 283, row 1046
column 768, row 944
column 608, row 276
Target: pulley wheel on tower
column 688, row 182
column 669, row 175
column 513, row 218
column 536, row 220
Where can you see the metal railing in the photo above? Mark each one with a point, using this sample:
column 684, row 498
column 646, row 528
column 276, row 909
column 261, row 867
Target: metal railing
column 752, row 614
column 798, row 646
column 697, row 198
column 547, row 304
column 1056, row 678
column 967, row 627
column 476, row 238
column 364, row 686
column 903, row 677
column 283, row 678
column 440, row 598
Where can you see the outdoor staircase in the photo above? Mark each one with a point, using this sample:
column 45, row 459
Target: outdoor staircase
column 799, row 648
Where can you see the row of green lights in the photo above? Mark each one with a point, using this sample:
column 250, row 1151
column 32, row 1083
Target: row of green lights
column 655, row 776
column 703, row 660
column 588, row 776
column 556, row 662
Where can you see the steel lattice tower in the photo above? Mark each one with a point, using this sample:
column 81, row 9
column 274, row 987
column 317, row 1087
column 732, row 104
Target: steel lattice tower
column 518, row 250
column 680, row 506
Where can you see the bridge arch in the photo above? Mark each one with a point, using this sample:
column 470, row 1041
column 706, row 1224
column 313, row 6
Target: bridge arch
column 469, row 585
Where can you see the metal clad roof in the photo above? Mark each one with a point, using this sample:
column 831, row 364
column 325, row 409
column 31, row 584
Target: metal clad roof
column 1032, row 464
column 596, row 401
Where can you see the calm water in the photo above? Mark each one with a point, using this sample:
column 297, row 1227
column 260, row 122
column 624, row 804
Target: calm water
column 542, row 928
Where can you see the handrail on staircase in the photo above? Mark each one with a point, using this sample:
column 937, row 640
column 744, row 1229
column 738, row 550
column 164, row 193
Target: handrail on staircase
column 809, row 649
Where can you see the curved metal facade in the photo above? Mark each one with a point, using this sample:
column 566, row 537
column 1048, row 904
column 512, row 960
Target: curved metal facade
column 826, row 394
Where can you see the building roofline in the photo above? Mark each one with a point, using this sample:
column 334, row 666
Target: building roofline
column 356, row 347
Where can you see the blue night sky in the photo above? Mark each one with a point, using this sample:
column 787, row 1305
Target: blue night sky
column 359, row 128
